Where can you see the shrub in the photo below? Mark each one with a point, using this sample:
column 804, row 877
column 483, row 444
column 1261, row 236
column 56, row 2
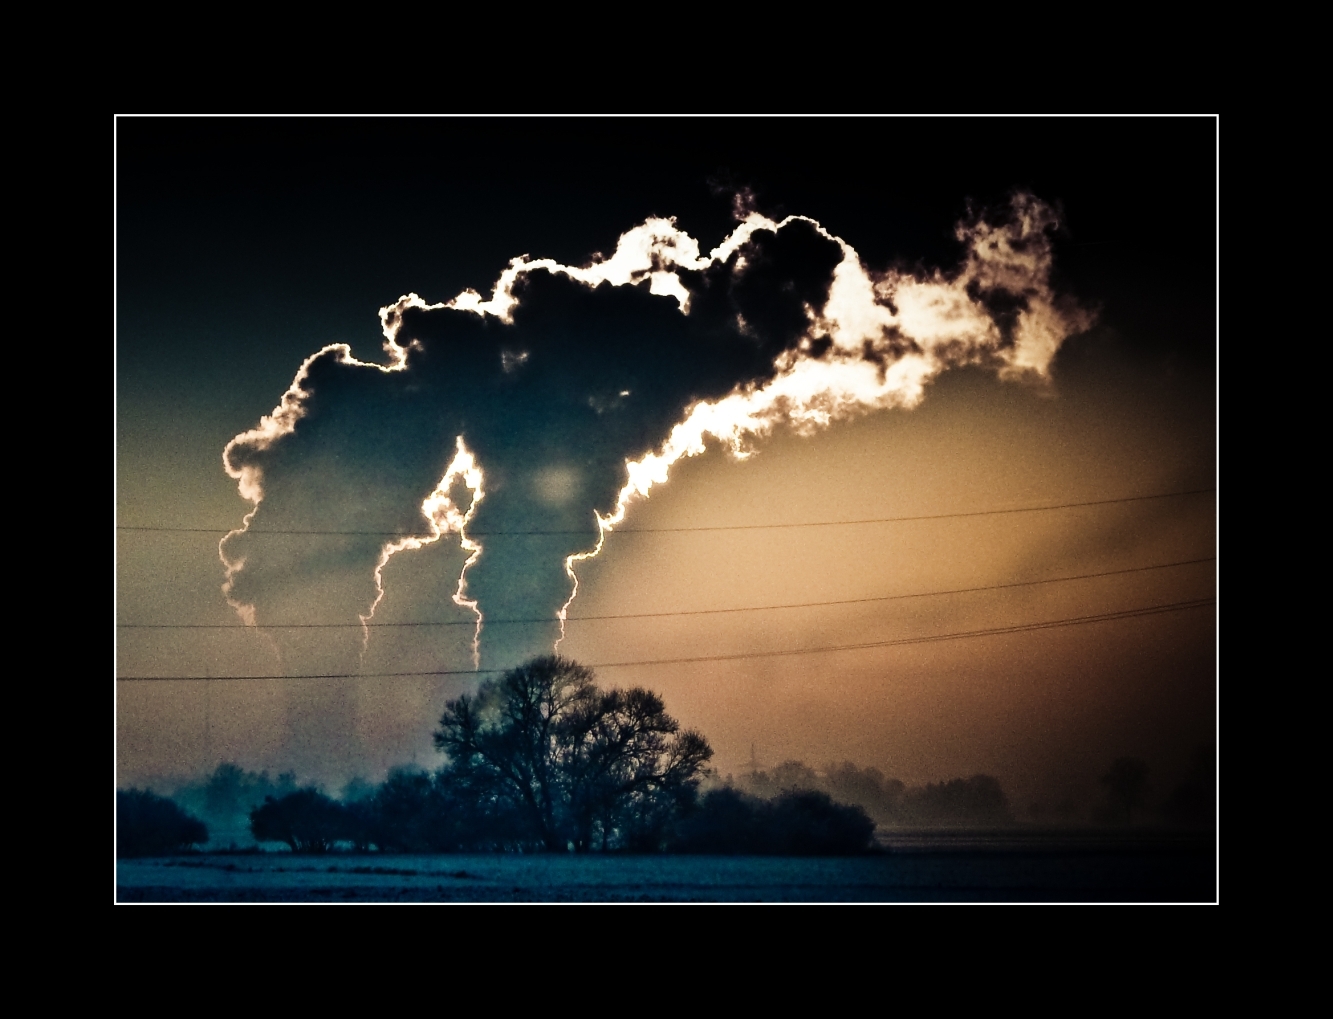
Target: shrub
column 796, row 823
column 152, row 825
column 307, row 820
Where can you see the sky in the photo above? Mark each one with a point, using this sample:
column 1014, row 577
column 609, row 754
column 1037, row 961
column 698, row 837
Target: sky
column 733, row 355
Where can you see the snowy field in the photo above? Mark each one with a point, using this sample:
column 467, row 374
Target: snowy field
column 968, row 872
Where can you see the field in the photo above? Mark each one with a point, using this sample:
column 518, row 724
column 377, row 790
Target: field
column 913, row 868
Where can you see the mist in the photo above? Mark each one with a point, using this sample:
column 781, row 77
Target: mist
column 694, row 400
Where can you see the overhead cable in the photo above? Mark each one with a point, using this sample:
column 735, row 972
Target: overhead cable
column 1101, row 617
column 676, row 530
column 659, row 615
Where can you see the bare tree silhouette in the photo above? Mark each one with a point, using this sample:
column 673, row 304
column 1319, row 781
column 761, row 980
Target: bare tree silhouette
column 584, row 767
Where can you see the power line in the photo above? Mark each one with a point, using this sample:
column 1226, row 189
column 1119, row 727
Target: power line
column 1149, row 610
column 676, row 530
column 659, row 615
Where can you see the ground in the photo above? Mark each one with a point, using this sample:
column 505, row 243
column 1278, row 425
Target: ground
column 978, row 868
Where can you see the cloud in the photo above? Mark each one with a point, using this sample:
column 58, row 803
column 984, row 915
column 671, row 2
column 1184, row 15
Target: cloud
column 570, row 391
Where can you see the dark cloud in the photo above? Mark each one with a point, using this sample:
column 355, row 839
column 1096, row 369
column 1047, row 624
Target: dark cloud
column 568, row 374
column 552, row 405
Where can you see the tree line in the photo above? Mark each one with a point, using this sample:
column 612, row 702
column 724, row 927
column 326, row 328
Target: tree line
column 1125, row 795
column 978, row 801
column 543, row 760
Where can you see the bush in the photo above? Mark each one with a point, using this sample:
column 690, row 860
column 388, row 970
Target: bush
column 307, row 820
column 796, row 823
column 725, row 822
column 151, row 825
column 811, row 824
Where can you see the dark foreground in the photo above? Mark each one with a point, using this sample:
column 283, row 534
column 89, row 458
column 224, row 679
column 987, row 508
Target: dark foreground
column 922, row 868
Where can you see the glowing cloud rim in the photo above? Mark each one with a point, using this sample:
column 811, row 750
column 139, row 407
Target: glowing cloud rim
column 890, row 335
column 881, row 338
column 443, row 516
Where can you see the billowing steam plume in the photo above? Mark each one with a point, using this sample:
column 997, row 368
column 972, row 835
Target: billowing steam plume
column 575, row 389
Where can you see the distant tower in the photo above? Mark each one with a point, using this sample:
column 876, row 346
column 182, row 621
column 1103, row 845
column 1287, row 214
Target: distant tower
column 754, row 761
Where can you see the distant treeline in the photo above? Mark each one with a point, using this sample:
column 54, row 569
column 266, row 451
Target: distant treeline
column 542, row 760
column 977, row 801
column 1125, row 795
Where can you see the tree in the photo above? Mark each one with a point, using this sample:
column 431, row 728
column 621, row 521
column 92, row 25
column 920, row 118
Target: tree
column 579, row 765
column 407, row 815
column 1127, row 785
column 785, row 777
column 149, row 825
column 882, row 798
column 306, row 820
column 975, row 800
column 225, row 798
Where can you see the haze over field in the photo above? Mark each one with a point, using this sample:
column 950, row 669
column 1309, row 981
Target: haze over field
column 815, row 404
